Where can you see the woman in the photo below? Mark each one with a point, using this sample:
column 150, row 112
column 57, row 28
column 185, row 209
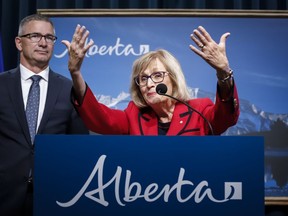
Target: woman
column 150, row 113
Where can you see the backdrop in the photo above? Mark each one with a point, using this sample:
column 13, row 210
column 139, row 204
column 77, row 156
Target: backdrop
column 14, row 10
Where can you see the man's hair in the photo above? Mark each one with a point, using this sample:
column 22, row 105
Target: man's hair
column 33, row 17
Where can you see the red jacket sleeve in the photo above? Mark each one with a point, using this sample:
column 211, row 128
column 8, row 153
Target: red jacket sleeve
column 100, row 118
column 224, row 114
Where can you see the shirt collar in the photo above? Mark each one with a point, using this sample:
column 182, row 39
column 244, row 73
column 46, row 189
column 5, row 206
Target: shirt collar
column 26, row 73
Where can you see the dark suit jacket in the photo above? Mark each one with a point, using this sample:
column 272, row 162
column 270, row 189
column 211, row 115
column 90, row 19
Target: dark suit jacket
column 16, row 149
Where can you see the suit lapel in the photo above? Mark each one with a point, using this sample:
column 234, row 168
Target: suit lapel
column 148, row 121
column 54, row 88
column 15, row 94
column 180, row 119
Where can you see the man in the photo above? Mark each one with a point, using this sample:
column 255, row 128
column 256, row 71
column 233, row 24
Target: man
column 55, row 114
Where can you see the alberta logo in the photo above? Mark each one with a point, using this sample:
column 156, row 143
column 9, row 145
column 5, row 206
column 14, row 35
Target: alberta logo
column 233, row 190
column 133, row 191
column 118, row 49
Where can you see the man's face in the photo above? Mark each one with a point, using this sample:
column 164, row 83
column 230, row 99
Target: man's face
column 32, row 53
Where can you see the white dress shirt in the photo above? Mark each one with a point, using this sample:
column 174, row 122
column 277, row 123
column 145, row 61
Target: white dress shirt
column 26, row 82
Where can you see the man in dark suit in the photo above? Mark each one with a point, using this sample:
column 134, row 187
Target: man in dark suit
column 56, row 115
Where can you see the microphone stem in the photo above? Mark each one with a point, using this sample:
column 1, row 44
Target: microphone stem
column 206, row 120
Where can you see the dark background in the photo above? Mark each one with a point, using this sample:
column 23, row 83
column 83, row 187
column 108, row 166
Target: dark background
column 12, row 11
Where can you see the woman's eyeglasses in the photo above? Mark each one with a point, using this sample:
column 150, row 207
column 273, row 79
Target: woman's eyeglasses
column 156, row 77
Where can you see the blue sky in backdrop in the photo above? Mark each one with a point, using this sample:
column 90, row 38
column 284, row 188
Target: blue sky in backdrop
column 256, row 50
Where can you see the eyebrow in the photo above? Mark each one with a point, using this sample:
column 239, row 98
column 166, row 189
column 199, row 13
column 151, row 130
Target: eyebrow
column 143, row 73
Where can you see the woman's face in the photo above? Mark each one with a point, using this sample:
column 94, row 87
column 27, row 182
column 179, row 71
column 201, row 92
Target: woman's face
column 148, row 91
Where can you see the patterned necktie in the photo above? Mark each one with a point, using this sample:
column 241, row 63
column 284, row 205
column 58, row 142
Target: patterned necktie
column 33, row 106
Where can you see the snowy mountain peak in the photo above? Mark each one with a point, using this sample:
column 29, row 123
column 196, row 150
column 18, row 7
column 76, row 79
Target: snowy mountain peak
column 251, row 119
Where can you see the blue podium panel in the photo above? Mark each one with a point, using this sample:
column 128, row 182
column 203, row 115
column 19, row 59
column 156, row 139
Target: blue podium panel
column 81, row 175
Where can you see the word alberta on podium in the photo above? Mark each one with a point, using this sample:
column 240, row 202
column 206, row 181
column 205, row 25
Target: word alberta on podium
column 148, row 175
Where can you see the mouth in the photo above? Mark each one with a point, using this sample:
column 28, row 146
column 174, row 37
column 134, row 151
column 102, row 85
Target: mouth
column 42, row 52
column 151, row 94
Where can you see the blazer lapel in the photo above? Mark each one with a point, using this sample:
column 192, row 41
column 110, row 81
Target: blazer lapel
column 54, row 87
column 181, row 118
column 148, row 123
column 15, row 94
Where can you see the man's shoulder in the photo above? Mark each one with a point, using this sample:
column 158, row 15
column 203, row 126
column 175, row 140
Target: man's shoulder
column 60, row 76
column 8, row 73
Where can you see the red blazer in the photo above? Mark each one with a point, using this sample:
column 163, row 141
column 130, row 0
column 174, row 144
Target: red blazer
column 134, row 121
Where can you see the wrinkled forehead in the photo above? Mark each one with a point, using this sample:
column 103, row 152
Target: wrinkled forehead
column 153, row 65
column 38, row 26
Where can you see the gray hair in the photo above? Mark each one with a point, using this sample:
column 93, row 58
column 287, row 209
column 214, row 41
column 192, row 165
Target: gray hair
column 33, row 17
column 173, row 68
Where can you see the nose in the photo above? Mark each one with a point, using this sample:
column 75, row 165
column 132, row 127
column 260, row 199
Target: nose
column 150, row 82
column 42, row 41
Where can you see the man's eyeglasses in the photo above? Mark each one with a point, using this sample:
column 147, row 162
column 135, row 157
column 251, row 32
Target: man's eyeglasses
column 36, row 37
column 156, row 77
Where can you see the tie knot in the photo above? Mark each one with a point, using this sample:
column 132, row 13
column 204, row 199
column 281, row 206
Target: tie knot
column 35, row 78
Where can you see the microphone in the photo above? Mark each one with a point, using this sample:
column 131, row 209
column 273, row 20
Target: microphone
column 161, row 89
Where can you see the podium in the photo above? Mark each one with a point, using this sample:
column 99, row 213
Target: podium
column 99, row 175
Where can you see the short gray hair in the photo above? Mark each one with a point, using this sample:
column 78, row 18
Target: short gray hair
column 33, row 17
